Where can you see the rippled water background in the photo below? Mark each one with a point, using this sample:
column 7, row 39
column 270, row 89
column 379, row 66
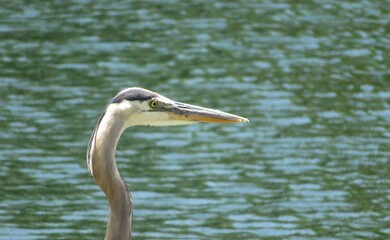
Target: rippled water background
column 312, row 76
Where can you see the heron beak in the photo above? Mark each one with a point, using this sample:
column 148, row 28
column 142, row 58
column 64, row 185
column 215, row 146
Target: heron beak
column 192, row 113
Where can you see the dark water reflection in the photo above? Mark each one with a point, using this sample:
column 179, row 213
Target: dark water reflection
column 312, row 76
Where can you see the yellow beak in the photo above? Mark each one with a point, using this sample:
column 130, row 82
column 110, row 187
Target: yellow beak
column 188, row 112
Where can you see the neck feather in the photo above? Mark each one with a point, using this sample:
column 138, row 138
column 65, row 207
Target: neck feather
column 102, row 167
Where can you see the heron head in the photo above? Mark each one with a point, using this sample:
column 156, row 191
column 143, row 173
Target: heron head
column 137, row 106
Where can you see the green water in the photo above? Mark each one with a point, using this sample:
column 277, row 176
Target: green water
column 312, row 76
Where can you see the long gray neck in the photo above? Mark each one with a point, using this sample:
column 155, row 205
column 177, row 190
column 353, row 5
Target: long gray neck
column 103, row 168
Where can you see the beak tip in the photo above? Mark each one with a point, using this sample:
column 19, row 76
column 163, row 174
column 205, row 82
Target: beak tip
column 243, row 120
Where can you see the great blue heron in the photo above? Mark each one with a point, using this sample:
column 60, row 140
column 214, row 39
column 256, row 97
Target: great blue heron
column 131, row 107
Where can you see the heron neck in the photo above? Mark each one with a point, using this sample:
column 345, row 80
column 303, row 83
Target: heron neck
column 107, row 176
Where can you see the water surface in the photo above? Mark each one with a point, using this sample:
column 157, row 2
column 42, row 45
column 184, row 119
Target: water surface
column 312, row 76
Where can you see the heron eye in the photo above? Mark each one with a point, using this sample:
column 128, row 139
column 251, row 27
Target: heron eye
column 153, row 104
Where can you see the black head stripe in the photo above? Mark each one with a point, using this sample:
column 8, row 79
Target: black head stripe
column 134, row 94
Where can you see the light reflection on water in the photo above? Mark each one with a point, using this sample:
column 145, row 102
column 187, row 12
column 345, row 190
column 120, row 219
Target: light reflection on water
column 312, row 78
